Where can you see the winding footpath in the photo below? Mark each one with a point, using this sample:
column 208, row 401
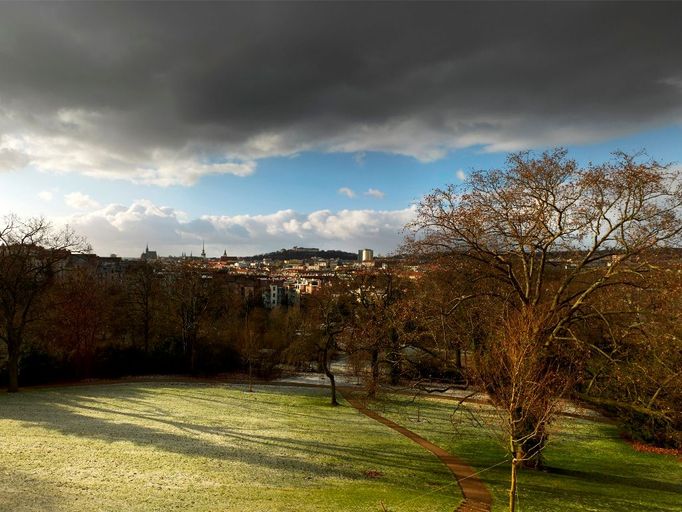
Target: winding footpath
column 477, row 498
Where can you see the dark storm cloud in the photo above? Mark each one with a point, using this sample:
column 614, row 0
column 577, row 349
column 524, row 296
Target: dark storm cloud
column 152, row 89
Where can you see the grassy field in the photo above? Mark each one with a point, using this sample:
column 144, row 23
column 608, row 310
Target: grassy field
column 192, row 447
column 590, row 467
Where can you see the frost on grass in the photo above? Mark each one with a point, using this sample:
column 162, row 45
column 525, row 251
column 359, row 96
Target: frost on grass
column 182, row 446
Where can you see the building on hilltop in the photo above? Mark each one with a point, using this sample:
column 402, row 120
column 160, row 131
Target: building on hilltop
column 296, row 248
column 148, row 255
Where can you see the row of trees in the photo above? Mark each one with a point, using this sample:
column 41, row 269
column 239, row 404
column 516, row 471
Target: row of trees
column 60, row 320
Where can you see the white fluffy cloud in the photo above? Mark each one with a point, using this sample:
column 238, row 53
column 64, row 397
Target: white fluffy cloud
column 80, row 201
column 461, row 175
column 126, row 230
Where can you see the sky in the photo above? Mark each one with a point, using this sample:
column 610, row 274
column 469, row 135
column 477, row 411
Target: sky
column 258, row 126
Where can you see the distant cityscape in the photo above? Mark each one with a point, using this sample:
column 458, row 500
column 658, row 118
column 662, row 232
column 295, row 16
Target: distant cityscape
column 280, row 278
column 294, row 252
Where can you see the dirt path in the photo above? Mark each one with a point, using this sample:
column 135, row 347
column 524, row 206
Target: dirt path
column 477, row 498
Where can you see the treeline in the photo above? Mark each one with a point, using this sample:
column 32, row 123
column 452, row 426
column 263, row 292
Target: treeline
column 63, row 322
column 153, row 321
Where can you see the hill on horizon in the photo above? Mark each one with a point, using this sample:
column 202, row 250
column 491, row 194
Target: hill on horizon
column 302, row 254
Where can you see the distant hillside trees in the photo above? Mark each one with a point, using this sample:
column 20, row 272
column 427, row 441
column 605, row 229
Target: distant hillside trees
column 301, row 253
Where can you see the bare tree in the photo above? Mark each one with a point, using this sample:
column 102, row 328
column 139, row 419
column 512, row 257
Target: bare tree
column 636, row 372
column 78, row 317
column 142, row 290
column 439, row 306
column 377, row 327
column 329, row 314
column 32, row 254
column 545, row 213
column 191, row 291
column 547, row 235
column 524, row 384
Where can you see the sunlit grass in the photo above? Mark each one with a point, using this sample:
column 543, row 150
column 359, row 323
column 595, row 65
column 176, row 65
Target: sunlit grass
column 134, row 447
column 591, row 468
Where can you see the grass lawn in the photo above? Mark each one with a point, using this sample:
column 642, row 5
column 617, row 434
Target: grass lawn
column 191, row 447
column 592, row 469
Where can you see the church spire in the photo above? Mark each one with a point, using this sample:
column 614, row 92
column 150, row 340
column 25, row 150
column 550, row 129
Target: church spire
column 203, row 250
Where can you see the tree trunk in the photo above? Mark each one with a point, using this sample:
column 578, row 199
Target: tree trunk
column 396, row 359
column 250, row 375
column 188, row 349
column 13, row 366
column 374, row 380
column 396, row 372
column 512, row 486
column 332, row 381
column 328, row 372
column 146, row 332
column 191, row 348
column 531, row 431
column 533, row 448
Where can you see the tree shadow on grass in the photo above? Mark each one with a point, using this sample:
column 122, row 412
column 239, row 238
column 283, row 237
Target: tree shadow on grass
column 14, row 496
column 259, row 392
column 245, row 437
column 71, row 413
column 602, row 478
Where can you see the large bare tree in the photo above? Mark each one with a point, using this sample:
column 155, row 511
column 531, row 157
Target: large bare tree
column 31, row 255
column 545, row 235
column 76, row 323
